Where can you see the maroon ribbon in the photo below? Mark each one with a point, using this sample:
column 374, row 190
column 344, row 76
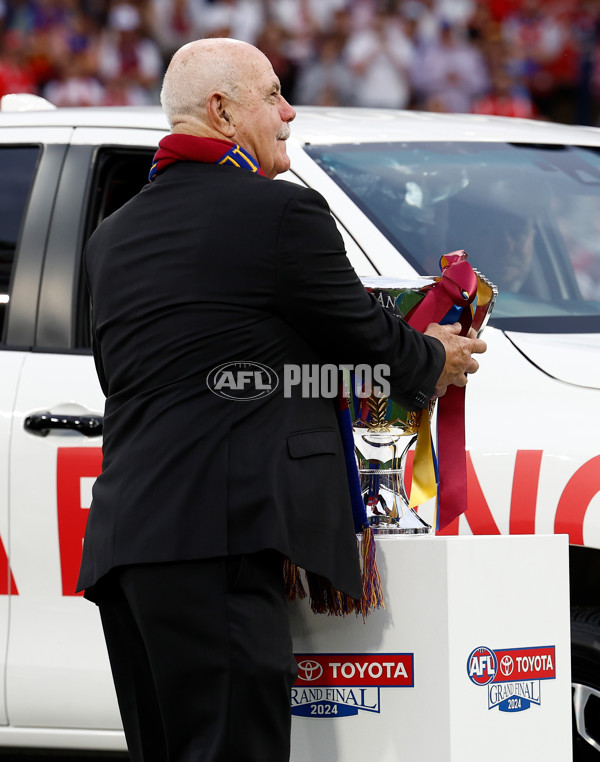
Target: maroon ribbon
column 456, row 287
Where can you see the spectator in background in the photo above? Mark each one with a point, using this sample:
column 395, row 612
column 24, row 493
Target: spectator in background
column 421, row 21
column 481, row 28
column 173, row 23
column 299, row 27
column 500, row 9
column 341, row 26
column 39, row 32
column 449, row 72
column 380, row 57
column 538, row 42
column 273, row 41
column 504, row 98
column 585, row 28
column 129, row 62
column 297, row 16
column 239, row 19
column 455, row 12
column 75, row 85
column 16, row 75
column 326, row 81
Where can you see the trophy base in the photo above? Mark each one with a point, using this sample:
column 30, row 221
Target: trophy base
column 409, row 523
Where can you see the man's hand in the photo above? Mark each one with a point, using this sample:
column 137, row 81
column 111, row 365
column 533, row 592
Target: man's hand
column 459, row 351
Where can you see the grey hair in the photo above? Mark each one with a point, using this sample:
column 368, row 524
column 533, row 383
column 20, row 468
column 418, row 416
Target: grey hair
column 197, row 69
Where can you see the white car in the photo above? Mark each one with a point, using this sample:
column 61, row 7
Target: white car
column 522, row 198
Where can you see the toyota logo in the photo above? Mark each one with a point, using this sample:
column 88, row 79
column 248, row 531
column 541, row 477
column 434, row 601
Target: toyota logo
column 309, row 670
column 506, row 665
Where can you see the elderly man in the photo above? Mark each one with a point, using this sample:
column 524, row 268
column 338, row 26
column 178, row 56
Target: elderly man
column 202, row 497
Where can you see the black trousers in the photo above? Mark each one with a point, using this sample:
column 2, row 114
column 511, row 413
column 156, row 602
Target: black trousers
column 201, row 656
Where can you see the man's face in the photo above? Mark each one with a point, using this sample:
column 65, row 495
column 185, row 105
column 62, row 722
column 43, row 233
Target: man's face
column 506, row 253
column 519, row 255
column 261, row 116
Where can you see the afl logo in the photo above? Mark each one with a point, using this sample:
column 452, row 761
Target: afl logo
column 242, row 381
column 482, row 665
column 309, row 670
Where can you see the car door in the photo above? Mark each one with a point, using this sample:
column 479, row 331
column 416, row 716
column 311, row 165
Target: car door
column 10, row 366
column 57, row 669
column 19, row 165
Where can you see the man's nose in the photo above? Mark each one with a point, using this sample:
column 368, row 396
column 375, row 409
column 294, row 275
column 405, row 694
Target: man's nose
column 287, row 112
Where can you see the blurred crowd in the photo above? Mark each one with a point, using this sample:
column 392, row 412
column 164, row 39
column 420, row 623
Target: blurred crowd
column 537, row 58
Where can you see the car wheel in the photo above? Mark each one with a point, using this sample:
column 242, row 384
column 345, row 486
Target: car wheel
column 585, row 679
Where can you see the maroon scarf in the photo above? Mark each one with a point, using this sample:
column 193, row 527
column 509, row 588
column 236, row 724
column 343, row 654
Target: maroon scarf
column 178, row 147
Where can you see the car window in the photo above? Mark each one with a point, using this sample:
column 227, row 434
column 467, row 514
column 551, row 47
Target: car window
column 17, row 171
column 527, row 216
column 119, row 174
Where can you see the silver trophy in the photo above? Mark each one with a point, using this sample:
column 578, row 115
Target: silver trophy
column 384, row 431
column 381, row 445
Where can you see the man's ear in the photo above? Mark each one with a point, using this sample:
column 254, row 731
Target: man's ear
column 219, row 115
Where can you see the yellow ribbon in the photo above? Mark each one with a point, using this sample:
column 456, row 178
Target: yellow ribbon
column 424, row 484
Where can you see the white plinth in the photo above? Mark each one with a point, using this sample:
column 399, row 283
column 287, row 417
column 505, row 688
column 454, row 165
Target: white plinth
column 445, row 598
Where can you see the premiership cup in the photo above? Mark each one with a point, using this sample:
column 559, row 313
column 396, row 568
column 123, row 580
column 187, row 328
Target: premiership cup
column 384, row 431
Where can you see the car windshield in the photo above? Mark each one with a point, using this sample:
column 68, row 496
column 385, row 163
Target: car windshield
column 528, row 217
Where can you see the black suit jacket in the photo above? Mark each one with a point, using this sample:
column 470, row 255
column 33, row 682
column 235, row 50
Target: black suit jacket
column 207, row 265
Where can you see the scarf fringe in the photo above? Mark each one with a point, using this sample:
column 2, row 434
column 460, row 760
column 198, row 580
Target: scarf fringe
column 325, row 599
column 292, row 580
column 372, row 590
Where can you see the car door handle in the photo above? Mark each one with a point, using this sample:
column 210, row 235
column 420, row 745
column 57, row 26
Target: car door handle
column 42, row 424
